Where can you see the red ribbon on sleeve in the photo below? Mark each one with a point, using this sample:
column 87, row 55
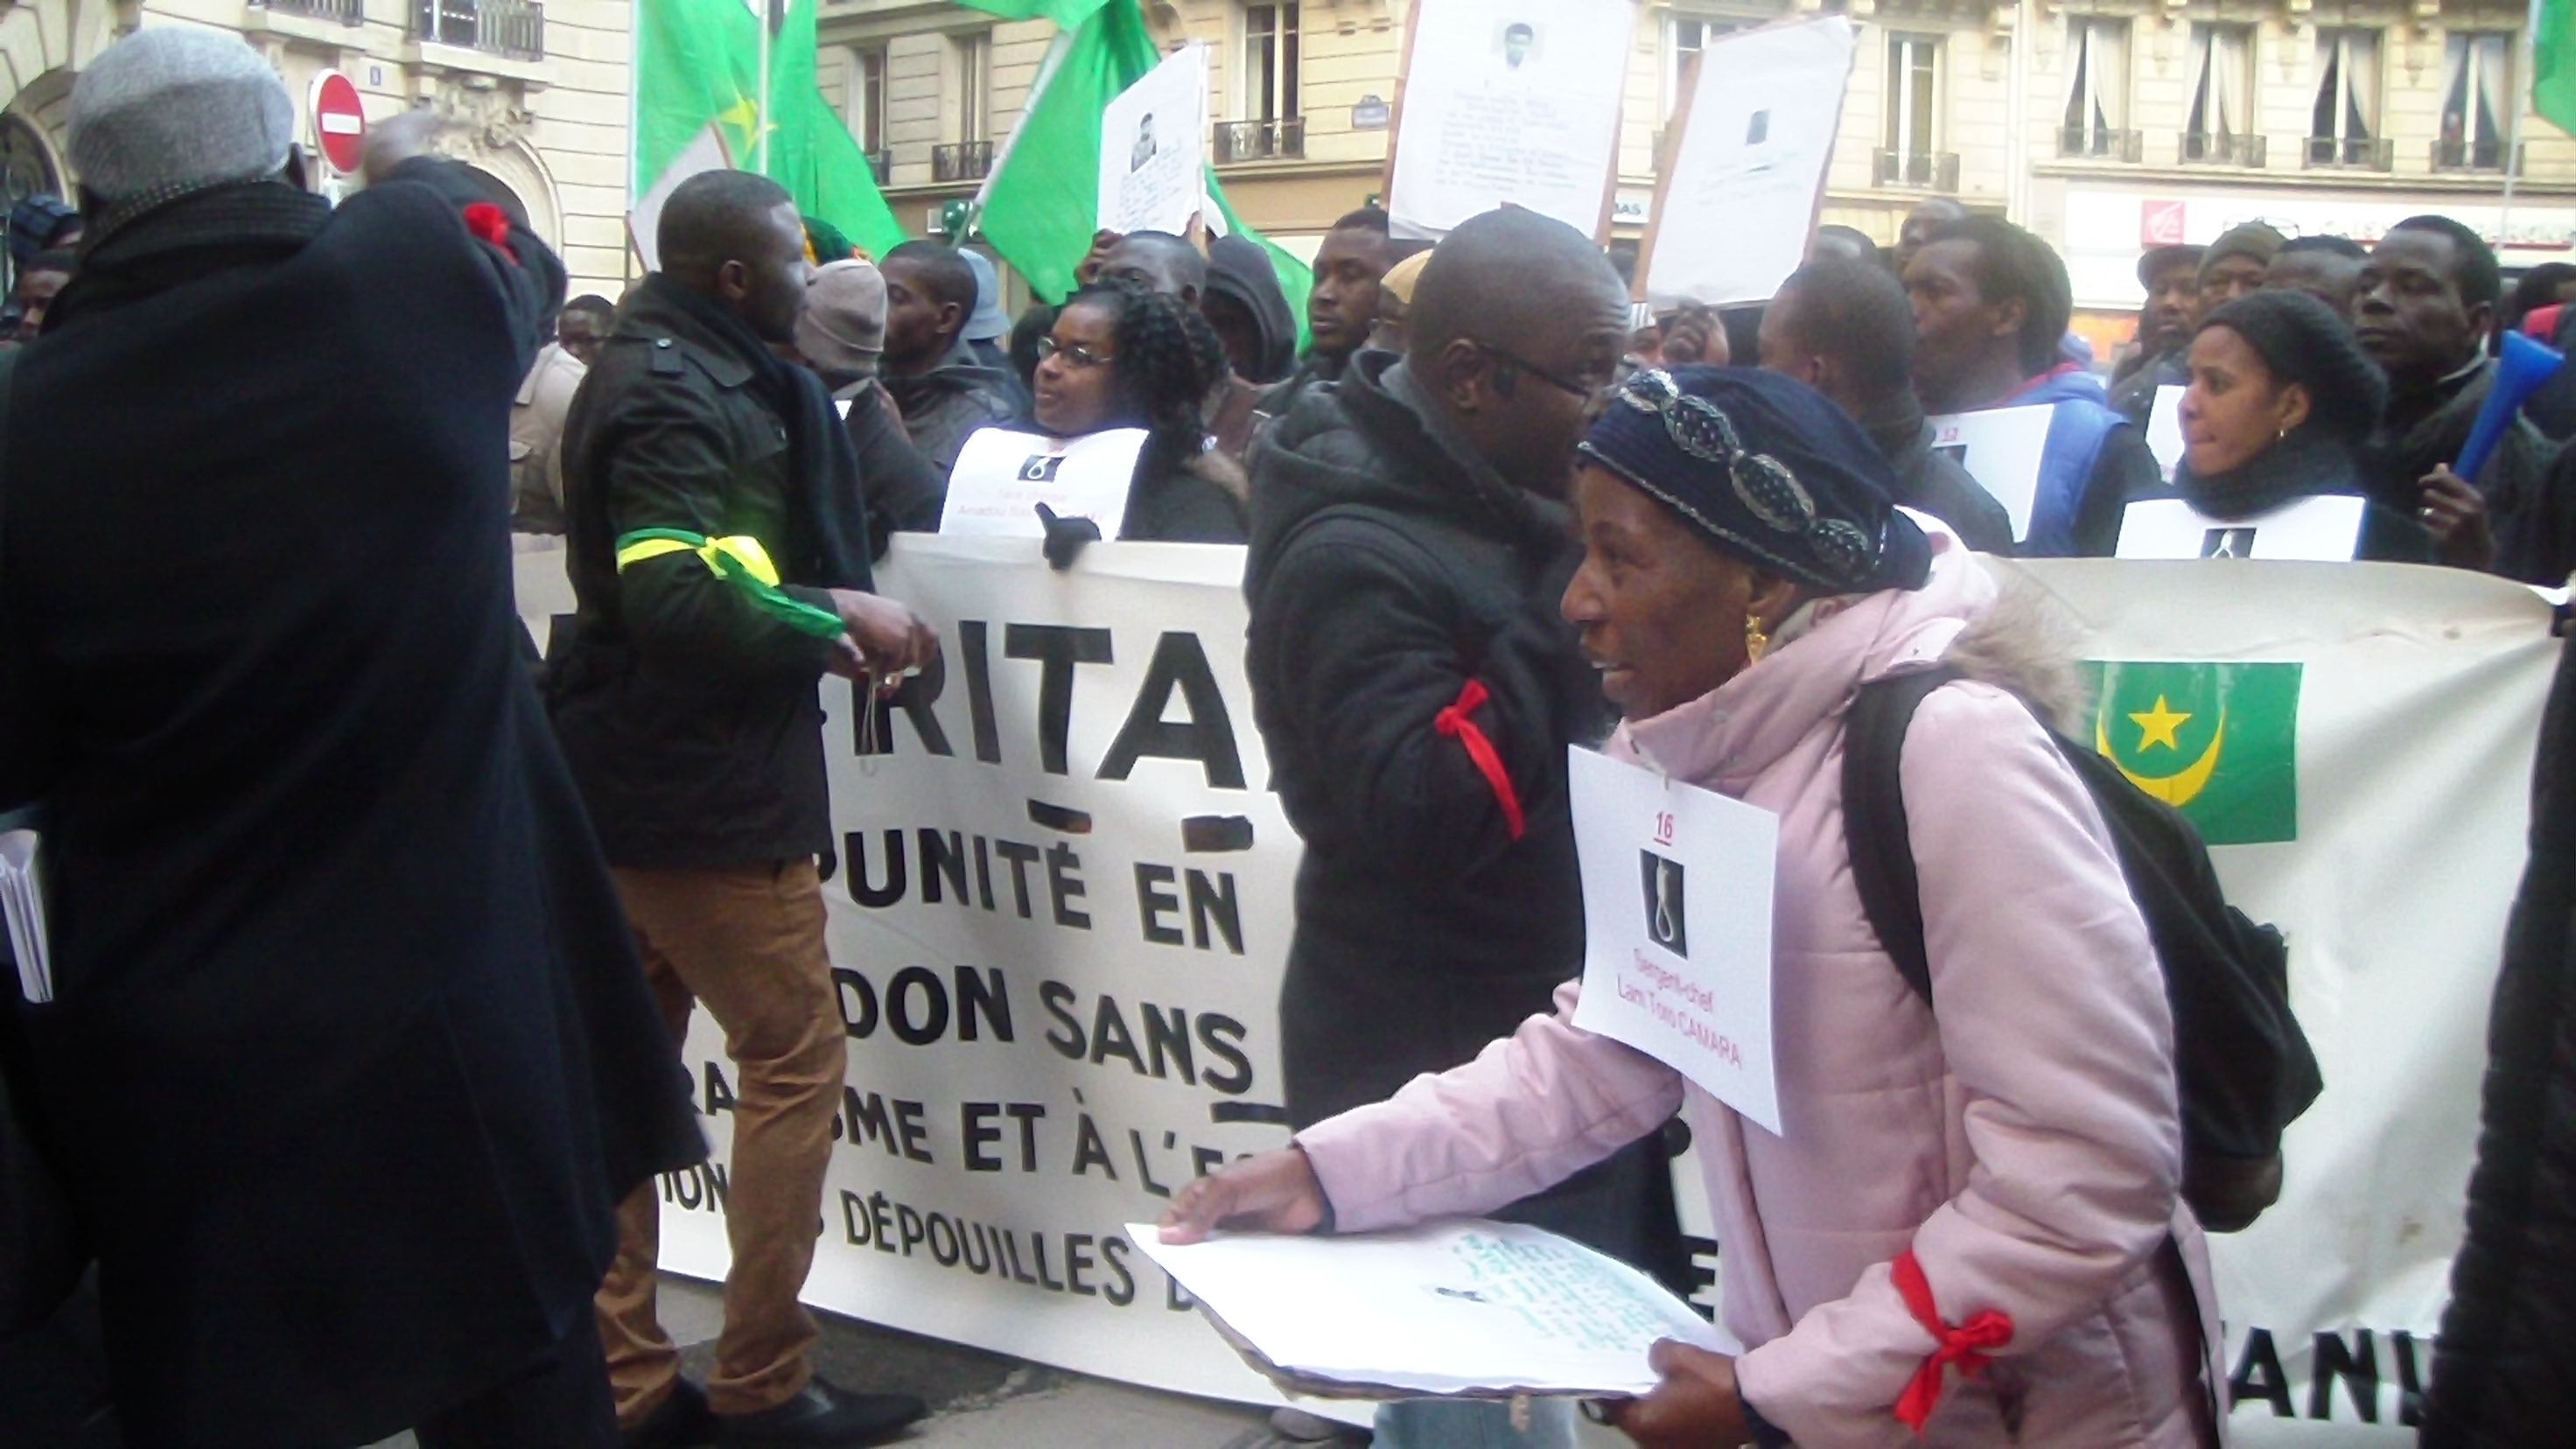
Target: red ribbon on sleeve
column 1966, row 1345
column 1453, row 723
column 492, row 224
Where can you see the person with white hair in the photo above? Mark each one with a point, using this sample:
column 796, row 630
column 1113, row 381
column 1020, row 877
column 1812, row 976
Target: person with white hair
column 348, row 1057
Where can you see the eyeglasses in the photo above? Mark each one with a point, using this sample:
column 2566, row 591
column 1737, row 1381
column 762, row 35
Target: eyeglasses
column 1075, row 355
column 1590, row 393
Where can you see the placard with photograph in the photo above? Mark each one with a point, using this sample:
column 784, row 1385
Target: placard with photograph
column 1509, row 101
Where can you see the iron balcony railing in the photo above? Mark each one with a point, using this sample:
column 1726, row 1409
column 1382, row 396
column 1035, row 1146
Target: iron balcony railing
column 2101, row 144
column 1260, row 140
column 1931, row 170
column 347, row 12
column 2486, row 155
column 880, row 165
column 2351, row 153
column 961, row 161
column 2221, row 148
column 512, row 28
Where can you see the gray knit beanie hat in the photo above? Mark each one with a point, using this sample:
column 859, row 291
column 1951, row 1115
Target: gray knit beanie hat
column 175, row 109
column 842, row 328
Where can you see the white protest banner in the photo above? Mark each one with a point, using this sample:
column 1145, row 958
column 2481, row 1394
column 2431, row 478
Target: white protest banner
column 2314, row 530
column 2368, row 797
column 1677, row 926
column 2001, row 448
column 1756, row 135
column 1153, row 141
column 1509, row 101
column 2355, row 742
column 1002, row 476
column 2164, row 429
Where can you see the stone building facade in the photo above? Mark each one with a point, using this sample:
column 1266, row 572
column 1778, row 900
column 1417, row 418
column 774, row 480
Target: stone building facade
column 2100, row 124
column 541, row 90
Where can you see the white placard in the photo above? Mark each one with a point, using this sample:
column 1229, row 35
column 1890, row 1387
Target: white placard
column 1677, row 926
column 2001, row 448
column 1002, row 476
column 2314, row 530
column 1509, row 101
column 1457, row 1307
column 1750, row 167
column 1153, row 141
column 2164, row 429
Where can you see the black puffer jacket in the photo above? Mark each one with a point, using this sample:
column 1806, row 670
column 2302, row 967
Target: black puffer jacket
column 1387, row 577
column 2504, row 1371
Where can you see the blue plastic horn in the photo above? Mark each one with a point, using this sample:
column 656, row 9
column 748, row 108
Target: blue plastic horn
column 2525, row 365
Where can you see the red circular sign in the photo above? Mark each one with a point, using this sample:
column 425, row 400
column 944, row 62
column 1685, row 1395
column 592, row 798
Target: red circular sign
column 339, row 122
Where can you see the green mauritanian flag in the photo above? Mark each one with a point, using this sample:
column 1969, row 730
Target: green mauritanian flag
column 2218, row 741
column 1042, row 202
column 699, row 61
column 2553, row 62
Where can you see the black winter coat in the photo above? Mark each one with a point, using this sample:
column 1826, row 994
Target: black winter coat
column 1384, row 578
column 2504, row 1370
column 351, row 1058
column 689, row 715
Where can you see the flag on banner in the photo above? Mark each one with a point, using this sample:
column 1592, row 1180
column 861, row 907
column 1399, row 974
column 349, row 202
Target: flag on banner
column 2217, row 741
column 1041, row 202
column 702, row 62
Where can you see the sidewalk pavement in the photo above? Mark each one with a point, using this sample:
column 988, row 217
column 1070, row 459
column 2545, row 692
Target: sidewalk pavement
column 981, row 1400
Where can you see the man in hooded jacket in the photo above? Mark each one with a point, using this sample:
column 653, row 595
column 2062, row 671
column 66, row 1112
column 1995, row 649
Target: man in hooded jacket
column 349, row 1055
column 1245, row 305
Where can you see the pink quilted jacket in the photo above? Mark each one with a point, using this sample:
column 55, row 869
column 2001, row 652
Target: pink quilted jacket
column 2024, row 1145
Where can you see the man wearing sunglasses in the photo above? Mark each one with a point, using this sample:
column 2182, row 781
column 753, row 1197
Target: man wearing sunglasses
column 1417, row 691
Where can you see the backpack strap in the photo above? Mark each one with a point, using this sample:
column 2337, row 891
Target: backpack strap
column 1874, row 828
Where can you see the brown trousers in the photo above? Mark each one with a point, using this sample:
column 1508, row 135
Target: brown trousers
column 748, row 942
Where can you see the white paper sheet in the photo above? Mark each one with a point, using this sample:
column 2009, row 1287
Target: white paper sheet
column 1510, row 101
column 1751, row 164
column 1677, row 885
column 1442, row 1308
column 22, row 901
column 1002, row 476
column 2164, row 429
column 2001, row 448
column 1153, row 144
column 2316, row 530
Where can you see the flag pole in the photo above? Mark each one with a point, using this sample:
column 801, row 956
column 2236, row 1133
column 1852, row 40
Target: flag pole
column 2513, row 128
column 771, row 19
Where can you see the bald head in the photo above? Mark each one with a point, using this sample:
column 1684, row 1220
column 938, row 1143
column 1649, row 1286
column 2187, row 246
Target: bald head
column 1515, row 331
column 1928, row 215
column 1514, row 279
column 734, row 236
column 1158, row 262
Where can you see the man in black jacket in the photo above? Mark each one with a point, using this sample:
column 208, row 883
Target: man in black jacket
column 719, row 553
column 348, row 1052
column 1845, row 329
column 945, row 390
column 1417, row 692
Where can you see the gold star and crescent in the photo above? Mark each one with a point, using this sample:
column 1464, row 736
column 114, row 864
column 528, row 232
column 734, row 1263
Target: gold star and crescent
column 2156, row 726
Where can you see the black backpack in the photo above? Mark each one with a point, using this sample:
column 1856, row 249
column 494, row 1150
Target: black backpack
column 2243, row 1067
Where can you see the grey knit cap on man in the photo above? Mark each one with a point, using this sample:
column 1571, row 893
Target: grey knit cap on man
column 842, row 329
column 174, row 109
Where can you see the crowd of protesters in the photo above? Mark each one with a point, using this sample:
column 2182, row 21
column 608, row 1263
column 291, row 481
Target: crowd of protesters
column 412, row 929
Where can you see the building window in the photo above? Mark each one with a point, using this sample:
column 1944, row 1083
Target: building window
column 2344, row 130
column 1269, row 82
column 2097, row 98
column 974, row 84
column 2477, row 94
column 867, row 98
column 1913, row 93
column 2220, row 126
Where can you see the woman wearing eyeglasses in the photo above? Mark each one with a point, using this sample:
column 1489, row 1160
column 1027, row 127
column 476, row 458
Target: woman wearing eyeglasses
column 1121, row 357
column 1969, row 1231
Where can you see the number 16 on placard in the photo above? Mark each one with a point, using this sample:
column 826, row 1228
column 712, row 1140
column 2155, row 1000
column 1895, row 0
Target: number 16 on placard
column 1664, row 827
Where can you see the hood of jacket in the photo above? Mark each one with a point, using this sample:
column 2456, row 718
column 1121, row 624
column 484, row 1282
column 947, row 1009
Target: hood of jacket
column 958, row 370
column 2065, row 382
column 1370, row 440
column 1241, row 269
column 1988, row 623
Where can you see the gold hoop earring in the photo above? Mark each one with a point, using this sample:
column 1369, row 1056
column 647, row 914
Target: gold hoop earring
column 1756, row 643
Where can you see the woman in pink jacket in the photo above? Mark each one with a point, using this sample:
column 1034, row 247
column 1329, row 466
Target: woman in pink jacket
column 1970, row 1229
